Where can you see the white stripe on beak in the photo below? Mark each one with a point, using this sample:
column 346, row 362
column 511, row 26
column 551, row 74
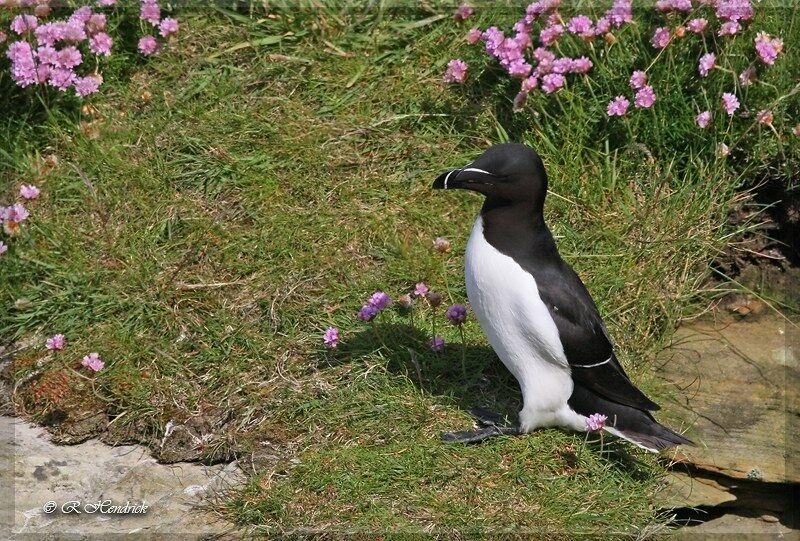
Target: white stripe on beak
column 446, row 178
column 478, row 170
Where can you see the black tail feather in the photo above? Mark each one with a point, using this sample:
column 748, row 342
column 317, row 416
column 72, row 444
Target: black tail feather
column 635, row 425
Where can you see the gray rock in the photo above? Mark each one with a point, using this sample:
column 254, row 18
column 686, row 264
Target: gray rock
column 39, row 471
column 736, row 385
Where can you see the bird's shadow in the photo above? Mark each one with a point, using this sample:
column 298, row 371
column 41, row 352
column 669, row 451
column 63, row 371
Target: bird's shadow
column 482, row 380
column 464, row 376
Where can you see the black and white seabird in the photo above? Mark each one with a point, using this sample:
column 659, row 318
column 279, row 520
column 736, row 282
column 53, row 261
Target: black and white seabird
column 538, row 315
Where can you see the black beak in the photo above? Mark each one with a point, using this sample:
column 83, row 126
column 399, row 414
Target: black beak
column 470, row 178
column 446, row 180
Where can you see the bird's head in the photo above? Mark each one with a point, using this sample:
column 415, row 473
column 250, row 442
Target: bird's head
column 506, row 174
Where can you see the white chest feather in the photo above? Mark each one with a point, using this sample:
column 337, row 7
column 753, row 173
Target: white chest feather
column 506, row 302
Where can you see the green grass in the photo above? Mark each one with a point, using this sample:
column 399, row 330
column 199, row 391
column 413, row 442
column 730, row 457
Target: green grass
column 204, row 241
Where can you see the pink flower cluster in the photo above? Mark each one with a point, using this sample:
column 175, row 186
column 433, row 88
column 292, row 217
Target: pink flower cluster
column 53, row 53
column 540, row 67
column 48, row 52
column 596, row 422
column 456, row 71
column 150, row 12
column 644, row 98
column 13, row 216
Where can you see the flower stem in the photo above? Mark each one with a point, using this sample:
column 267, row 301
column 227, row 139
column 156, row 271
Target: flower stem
column 463, row 352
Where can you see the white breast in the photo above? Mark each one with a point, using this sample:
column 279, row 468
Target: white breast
column 519, row 327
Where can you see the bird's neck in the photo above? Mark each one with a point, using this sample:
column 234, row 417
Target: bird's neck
column 516, row 227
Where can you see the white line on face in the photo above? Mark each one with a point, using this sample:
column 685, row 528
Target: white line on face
column 476, row 169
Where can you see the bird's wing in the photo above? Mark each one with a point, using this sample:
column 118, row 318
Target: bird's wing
column 586, row 343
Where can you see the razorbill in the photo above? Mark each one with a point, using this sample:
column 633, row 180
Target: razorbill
column 538, row 315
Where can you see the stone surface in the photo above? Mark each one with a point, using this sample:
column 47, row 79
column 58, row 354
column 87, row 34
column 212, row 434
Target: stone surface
column 35, row 471
column 736, row 385
column 732, row 527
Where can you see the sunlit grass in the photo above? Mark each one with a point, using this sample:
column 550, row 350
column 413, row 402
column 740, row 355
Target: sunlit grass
column 242, row 198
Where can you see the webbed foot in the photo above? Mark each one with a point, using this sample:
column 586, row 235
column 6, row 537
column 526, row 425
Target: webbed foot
column 493, row 425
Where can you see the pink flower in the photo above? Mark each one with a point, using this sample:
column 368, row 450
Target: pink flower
column 367, row 313
column 74, row 31
column 81, row 15
column 734, row 10
column 23, row 63
column 519, row 69
column 380, row 300
column 562, row 65
column 456, row 314
column 660, row 37
column 638, row 79
column 106, row 3
column 96, row 23
column 553, row 82
column 596, row 422
column 441, row 245
column 645, row 97
column 550, row 34
column 29, row 191
column 703, row 119
column 474, row 36
column 62, row 78
column 730, row 103
column 618, row 106
column 768, row 47
column 529, row 84
column 3, row 247
column 24, row 23
column 16, row 213
column 148, row 46
column 748, row 76
column 437, row 343
column 93, row 362
column 86, row 85
column 168, row 27
column 150, row 12
column 3, row 36
column 57, row 341
column 100, row 44
column 706, row 63
column 621, row 12
column 331, row 337
column 463, row 12
column 420, row 290
column 729, row 29
column 581, row 25
column 697, row 25
column 47, row 55
column 602, row 26
column 764, row 117
column 581, row 65
column 50, row 33
column 674, row 5
column 68, row 58
column 456, row 71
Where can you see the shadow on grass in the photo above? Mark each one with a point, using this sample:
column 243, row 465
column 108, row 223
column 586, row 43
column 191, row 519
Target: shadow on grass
column 482, row 381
